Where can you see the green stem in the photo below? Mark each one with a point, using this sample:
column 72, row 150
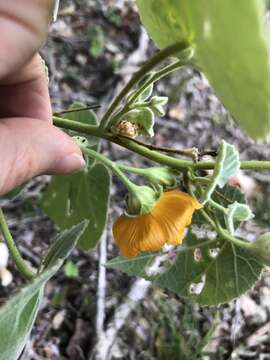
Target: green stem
column 208, row 219
column 194, row 247
column 217, row 206
column 157, row 76
column 225, row 235
column 201, row 180
column 131, row 169
column 151, row 154
column 146, row 68
column 216, row 226
column 108, row 163
column 21, row 265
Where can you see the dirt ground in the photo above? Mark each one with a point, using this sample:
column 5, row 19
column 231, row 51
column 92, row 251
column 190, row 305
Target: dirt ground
column 92, row 49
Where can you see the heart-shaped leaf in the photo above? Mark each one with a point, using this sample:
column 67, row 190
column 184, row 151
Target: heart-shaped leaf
column 235, row 61
column 74, row 198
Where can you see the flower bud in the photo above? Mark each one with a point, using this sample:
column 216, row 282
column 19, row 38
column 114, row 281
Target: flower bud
column 141, row 200
column 261, row 248
column 161, row 176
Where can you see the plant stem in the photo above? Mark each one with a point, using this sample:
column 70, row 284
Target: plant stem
column 146, row 68
column 151, row 154
column 232, row 239
column 191, row 152
column 157, row 76
column 194, row 247
column 108, row 163
column 21, row 265
column 224, row 234
column 217, row 206
column 131, row 169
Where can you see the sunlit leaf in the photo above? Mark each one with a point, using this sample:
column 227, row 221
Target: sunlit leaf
column 240, row 212
column 235, row 61
column 227, row 166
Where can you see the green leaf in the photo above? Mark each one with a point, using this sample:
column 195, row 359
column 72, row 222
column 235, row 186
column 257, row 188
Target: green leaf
column 227, row 276
column 226, row 197
column 74, row 198
column 165, row 20
column 158, row 103
column 71, row 270
column 64, row 244
column 18, row 314
column 222, row 273
column 146, row 94
column 145, row 118
column 227, row 166
column 235, row 61
column 240, row 212
column 136, row 266
column 87, row 117
column 148, row 91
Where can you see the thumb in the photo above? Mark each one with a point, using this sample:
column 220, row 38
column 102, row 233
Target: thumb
column 30, row 147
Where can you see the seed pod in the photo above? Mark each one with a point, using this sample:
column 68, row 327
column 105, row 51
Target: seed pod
column 126, row 128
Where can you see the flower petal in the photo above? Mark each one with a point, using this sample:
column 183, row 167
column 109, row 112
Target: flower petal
column 137, row 234
column 166, row 223
column 174, row 213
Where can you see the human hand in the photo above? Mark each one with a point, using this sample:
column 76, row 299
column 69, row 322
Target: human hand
column 29, row 144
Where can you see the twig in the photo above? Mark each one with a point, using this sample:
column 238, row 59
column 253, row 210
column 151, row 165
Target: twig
column 149, row 154
column 192, row 152
column 90, row 107
column 101, row 287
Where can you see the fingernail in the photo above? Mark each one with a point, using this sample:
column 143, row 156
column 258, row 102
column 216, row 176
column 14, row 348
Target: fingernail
column 71, row 163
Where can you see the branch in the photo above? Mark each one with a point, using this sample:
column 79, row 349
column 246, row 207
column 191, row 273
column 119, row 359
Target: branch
column 151, row 154
column 90, row 107
column 101, row 287
column 192, row 152
column 21, row 265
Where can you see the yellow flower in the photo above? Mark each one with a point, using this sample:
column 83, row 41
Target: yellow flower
column 164, row 224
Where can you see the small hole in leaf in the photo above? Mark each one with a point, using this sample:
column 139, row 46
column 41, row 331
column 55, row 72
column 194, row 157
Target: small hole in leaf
column 214, row 252
column 197, row 288
column 198, row 255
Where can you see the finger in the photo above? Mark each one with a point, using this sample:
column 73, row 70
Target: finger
column 23, row 29
column 25, row 93
column 30, row 147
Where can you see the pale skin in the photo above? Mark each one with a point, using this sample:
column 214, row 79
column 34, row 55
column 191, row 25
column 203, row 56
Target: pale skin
column 29, row 144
